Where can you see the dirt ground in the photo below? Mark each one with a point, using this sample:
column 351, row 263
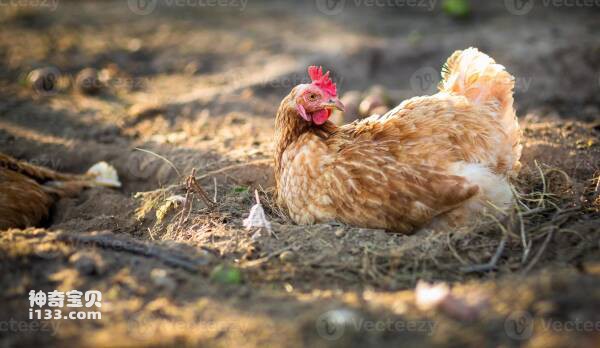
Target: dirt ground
column 199, row 87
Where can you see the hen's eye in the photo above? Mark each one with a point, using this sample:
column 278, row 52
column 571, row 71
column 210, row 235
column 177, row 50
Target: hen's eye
column 312, row 97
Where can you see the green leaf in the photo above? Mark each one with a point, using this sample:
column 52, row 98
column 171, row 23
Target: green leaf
column 226, row 275
column 240, row 189
column 456, row 8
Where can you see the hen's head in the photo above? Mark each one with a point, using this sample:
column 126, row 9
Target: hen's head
column 315, row 101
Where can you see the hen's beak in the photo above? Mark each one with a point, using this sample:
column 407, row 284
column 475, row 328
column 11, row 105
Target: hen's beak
column 334, row 103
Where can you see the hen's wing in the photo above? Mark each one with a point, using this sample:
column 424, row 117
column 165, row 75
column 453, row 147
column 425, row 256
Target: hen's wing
column 23, row 201
column 369, row 186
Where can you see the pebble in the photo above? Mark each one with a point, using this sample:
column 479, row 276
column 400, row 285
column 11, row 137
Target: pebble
column 351, row 101
column 191, row 68
column 111, row 71
column 340, row 233
column 287, row 256
column 370, row 103
column 142, row 110
column 161, row 278
column 87, row 263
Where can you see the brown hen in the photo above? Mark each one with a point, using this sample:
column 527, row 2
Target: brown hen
column 436, row 161
column 27, row 191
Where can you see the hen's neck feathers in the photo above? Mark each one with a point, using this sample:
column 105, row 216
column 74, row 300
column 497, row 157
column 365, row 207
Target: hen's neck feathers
column 289, row 126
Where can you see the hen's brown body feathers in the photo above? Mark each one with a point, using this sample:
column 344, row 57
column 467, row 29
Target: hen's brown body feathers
column 431, row 159
column 27, row 192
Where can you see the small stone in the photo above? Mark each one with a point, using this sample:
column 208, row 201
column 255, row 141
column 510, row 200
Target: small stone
column 87, row 263
column 191, row 68
column 161, row 278
column 143, row 110
column 378, row 90
column 340, row 233
column 287, row 256
column 333, row 323
column 134, row 45
column 88, row 82
column 370, row 103
column 244, row 292
column 111, row 71
column 351, row 101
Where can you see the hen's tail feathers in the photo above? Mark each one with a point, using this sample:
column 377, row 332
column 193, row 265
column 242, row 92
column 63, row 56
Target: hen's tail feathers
column 38, row 173
column 480, row 79
column 100, row 174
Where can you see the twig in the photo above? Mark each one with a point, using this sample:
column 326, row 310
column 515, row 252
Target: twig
column 262, row 260
column 192, row 185
column 539, row 253
column 162, row 158
column 451, row 247
column 215, row 195
column 187, row 218
column 108, row 240
column 233, row 167
column 526, row 244
column 257, row 196
column 150, row 233
column 490, row 265
column 186, row 204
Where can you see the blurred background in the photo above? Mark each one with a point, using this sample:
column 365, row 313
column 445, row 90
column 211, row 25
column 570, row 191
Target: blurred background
column 197, row 58
column 196, row 45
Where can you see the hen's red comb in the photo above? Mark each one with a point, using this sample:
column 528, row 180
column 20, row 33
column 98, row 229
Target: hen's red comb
column 322, row 81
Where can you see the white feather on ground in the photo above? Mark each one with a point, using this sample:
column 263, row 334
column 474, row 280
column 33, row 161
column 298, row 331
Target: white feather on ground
column 257, row 218
column 105, row 175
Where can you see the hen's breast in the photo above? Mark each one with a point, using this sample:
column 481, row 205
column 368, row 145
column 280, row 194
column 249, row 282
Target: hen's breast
column 300, row 185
